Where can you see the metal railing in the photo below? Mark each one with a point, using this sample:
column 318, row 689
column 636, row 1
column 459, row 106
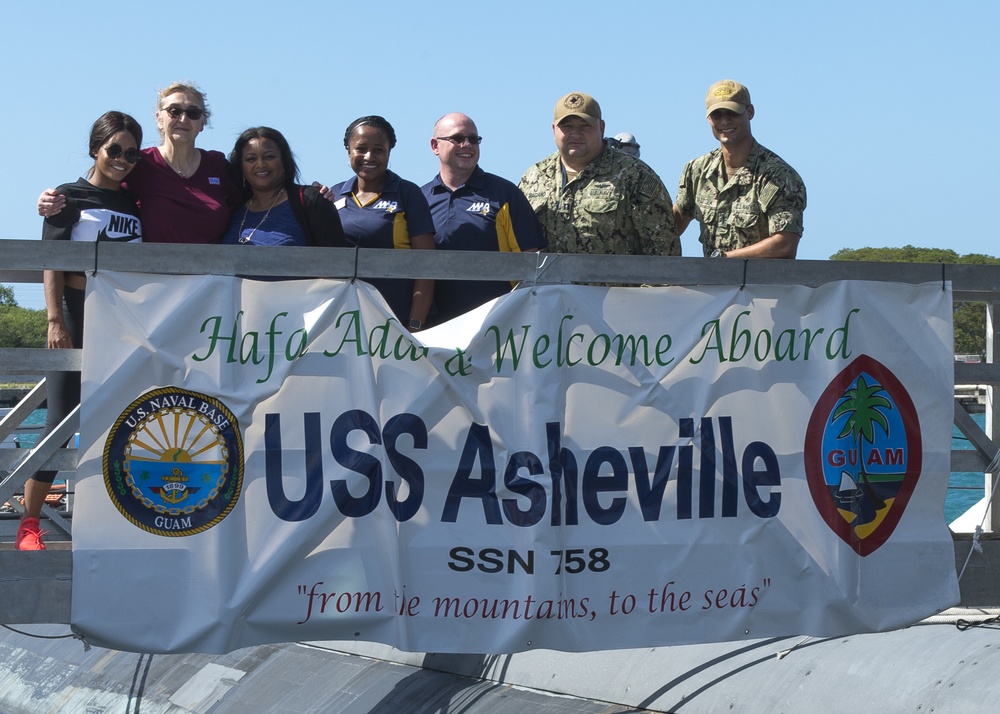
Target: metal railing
column 24, row 261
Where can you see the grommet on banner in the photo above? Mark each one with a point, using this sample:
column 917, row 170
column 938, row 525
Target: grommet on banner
column 746, row 261
column 97, row 244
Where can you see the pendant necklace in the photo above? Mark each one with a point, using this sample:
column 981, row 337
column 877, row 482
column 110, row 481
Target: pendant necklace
column 246, row 212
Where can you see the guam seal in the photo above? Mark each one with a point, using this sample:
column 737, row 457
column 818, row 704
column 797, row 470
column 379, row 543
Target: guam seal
column 173, row 462
column 863, row 454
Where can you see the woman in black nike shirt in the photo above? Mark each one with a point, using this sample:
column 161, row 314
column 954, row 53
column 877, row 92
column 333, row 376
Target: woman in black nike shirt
column 97, row 209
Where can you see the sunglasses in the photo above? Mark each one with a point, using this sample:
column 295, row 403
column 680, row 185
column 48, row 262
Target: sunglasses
column 193, row 113
column 459, row 139
column 132, row 156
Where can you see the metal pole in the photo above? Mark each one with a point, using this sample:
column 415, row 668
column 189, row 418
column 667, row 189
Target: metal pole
column 992, row 417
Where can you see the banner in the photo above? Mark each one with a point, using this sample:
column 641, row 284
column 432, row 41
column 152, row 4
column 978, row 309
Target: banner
column 572, row 468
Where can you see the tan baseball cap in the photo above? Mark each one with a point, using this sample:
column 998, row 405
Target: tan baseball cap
column 727, row 94
column 578, row 104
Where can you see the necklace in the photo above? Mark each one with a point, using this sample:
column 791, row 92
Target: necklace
column 246, row 212
column 171, row 162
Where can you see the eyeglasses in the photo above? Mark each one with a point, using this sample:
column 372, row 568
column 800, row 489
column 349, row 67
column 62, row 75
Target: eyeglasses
column 193, row 113
column 132, row 156
column 459, row 139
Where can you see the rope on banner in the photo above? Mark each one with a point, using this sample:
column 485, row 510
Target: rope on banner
column 991, row 623
column 541, row 263
column 86, row 645
column 97, row 244
column 943, row 281
column 992, row 468
column 994, row 465
column 746, row 262
column 357, row 253
column 785, row 653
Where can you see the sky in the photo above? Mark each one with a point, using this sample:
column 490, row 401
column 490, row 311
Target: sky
column 879, row 105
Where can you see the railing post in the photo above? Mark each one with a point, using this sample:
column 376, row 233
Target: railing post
column 992, row 419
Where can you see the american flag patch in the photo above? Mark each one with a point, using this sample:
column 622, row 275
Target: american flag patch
column 649, row 186
column 213, row 180
column 767, row 194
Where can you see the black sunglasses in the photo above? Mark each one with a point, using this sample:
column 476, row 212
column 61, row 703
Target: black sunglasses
column 460, row 139
column 193, row 113
column 132, row 156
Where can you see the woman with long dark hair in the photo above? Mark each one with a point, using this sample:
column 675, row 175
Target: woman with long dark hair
column 96, row 209
column 276, row 209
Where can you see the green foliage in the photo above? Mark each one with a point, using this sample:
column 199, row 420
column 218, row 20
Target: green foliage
column 20, row 327
column 909, row 254
column 7, row 296
column 970, row 328
column 969, row 317
column 906, row 254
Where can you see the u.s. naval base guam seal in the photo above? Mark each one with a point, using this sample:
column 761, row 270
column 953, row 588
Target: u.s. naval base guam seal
column 173, row 462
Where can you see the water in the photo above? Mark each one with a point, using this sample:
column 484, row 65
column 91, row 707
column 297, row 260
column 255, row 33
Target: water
column 36, row 418
column 964, row 489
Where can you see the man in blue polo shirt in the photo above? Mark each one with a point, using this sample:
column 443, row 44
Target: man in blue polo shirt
column 473, row 210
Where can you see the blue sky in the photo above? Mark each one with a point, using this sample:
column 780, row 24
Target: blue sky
column 878, row 105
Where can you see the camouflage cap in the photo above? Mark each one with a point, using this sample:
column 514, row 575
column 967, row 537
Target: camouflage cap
column 727, row 94
column 578, row 104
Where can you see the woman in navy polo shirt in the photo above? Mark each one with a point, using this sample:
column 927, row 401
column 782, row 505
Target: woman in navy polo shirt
column 378, row 209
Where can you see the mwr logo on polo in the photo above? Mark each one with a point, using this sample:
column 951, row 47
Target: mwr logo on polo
column 863, row 454
column 173, row 462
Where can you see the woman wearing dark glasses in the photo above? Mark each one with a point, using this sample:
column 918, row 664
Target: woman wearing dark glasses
column 186, row 194
column 97, row 209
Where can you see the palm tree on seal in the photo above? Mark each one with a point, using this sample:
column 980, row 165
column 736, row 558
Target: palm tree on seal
column 863, row 405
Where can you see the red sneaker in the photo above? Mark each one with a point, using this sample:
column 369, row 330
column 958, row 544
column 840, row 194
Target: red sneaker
column 29, row 535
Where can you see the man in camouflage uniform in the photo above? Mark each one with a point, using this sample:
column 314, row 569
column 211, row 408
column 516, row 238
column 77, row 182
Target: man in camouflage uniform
column 748, row 201
column 593, row 199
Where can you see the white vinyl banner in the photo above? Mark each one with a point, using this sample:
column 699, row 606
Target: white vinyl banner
column 572, row 468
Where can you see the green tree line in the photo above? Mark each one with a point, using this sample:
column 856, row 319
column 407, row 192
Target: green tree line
column 969, row 317
column 20, row 327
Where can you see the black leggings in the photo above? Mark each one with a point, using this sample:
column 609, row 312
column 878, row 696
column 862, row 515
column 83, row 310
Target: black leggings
column 63, row 388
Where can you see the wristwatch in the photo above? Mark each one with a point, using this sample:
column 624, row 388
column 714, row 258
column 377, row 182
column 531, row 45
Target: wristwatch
column 415, row 324
column 717, row 254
